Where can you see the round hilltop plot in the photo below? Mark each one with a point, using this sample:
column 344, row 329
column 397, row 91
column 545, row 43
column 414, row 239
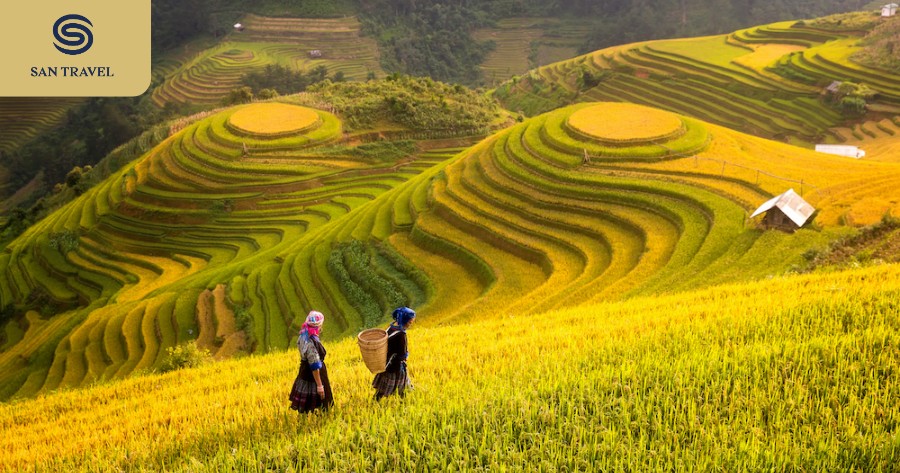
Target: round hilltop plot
column 624, row 123
column 613, row 131
column 273, row 119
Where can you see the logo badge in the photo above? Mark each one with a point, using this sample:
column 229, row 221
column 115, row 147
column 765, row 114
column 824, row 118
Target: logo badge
column 74, row 33
column 75, row 48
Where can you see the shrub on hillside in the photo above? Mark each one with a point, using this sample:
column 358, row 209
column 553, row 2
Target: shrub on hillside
column 64, row 241
column 851, row 98
column 283, row 79
column 239, row 96
column 417, row 103
column 187, row 355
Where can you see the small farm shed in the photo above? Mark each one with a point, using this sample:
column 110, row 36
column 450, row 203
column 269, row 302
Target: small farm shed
column 786, row 212
column 889, row 10
column 238, row 27
column 842, row 150
column 834, row 87
column 315, row 53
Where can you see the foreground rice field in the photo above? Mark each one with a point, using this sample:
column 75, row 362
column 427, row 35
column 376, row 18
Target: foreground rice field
column 795, row 372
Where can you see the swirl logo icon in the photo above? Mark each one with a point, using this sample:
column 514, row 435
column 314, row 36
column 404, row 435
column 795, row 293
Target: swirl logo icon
column 73, row 34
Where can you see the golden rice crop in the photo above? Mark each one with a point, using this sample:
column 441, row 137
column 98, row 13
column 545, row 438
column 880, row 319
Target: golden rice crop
column 790, row 371
column 273, row 118
column 764, row 55
column 624, row 122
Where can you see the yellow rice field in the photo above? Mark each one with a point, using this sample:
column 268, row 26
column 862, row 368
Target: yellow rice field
column 765, row 54
column 744, row 377
column 624, row 122
column 273, row 118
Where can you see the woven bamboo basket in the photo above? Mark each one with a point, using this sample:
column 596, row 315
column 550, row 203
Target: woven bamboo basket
column 373, row 346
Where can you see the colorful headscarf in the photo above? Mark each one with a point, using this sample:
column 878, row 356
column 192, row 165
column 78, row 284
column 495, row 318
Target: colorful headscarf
column 402, row 316
column 312, row 325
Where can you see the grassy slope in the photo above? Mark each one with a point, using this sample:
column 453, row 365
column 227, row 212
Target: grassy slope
column 742, row 377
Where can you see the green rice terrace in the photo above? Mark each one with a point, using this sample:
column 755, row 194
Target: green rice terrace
column 213, row 72
column 224, row 230
column 770, row 81
column 521, row 44
column 22, row 118
column 224, row 195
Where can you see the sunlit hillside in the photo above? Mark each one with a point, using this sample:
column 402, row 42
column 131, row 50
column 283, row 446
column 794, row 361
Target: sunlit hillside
column 229, row 229
column 796, row 372
column 770, row 81
column 116, row 277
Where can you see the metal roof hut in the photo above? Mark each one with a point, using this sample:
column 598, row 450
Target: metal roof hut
column 786, row 212
column 834, row 87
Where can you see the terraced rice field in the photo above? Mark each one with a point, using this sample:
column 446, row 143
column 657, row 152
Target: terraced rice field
column 735, row 80
column 233, row 228
column 209, row 76
column 525, row 43
column 22, row 118
column 209, row 208
column 545, row 215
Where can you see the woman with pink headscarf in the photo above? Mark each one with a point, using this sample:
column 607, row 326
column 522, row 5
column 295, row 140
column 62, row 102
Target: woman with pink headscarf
column 311, row 389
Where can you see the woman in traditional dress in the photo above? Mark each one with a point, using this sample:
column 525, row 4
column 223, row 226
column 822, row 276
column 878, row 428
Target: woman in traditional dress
column 311, row 389
column 394, row 379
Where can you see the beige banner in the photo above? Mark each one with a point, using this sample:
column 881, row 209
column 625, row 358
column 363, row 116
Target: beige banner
column 65, row 48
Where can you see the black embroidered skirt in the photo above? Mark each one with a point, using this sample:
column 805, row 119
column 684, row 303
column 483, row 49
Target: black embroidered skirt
column 386, row 384
column 304, row 397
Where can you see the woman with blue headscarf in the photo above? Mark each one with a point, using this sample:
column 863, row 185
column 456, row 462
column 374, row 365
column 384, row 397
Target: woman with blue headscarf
column 311, row 389
column 394, row 379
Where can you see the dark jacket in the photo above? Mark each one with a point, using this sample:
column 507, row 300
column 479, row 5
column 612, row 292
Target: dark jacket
column 397, row 350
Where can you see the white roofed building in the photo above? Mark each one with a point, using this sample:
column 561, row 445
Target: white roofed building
column 787, row 211
column 889, row 10
column 842, row 150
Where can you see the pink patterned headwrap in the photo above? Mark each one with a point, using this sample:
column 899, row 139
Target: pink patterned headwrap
column 313, row 324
